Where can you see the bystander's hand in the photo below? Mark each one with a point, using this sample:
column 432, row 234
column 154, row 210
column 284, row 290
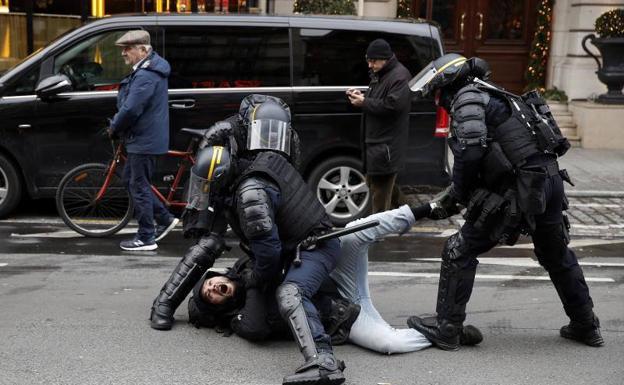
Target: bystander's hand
column 355, row 97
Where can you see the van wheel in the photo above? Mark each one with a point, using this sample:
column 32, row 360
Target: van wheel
column 10, row 187
column 341, row 187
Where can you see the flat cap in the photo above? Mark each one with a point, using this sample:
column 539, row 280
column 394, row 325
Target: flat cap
column 137, row 36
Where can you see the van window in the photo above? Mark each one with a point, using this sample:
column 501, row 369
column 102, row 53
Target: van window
column 221, row 57
column 323, row 57
column 94, row 64
column 25, row 85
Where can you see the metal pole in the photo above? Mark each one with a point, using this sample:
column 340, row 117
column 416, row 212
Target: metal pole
column 84, row 11
column 30, row 38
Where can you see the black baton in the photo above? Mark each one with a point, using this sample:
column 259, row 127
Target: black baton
column 314, row 239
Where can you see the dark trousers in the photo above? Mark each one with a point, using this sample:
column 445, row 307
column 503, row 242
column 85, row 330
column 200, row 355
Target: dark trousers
column 550, row 242
column 385, row 193
column 315, row 268
column 137, row 176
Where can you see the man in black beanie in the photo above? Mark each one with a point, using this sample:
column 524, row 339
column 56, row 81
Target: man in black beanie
column 385, row 119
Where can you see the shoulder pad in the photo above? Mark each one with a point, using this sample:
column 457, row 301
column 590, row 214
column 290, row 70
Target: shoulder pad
column 468, row 116
column 254, row 208
column 217, row 134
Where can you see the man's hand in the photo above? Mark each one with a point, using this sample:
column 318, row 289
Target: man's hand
column 355, row 97
column 444, row 205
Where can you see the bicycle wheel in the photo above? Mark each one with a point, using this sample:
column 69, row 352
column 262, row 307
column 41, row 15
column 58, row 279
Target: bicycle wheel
column 77, row 205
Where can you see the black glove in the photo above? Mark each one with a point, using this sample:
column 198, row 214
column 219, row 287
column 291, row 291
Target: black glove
column 444, row 204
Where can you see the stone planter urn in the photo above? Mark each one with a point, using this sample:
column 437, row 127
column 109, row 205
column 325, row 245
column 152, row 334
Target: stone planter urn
column 611, row 71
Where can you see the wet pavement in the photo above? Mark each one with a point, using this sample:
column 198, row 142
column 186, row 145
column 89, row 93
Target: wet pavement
column 75, row 309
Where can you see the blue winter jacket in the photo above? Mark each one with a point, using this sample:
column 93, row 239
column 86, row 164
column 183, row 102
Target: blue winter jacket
column 142, row 117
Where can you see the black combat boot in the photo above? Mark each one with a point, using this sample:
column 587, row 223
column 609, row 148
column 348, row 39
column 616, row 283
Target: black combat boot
column 442, row 333
column 320, row 366
column 469, row 335
column 341, row 316
column 457, row 274
column 587, row 332
column 193, row 265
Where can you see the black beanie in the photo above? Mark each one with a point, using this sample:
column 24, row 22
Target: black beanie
column 379, row 49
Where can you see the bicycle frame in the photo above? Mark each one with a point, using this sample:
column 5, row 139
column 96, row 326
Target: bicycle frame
column 187, row 159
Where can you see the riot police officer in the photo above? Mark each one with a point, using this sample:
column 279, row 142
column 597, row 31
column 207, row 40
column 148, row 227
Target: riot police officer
column 505, row 172
column 271, row 209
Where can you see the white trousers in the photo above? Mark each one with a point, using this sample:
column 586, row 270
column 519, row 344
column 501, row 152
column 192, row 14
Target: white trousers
column 351, row 276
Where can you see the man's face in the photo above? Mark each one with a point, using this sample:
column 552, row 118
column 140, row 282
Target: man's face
column 132, row 54
column 217, row 290
column 376, row 64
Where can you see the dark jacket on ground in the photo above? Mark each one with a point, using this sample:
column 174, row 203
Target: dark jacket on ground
column 386, row 119
column 143, row 109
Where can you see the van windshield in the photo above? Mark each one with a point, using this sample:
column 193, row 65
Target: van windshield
column 5, row 72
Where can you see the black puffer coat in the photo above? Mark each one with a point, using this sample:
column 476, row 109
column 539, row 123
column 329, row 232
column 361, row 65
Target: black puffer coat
column 385, row 119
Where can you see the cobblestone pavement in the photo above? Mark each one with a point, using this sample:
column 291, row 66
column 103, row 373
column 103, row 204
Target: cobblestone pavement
column 601, row 217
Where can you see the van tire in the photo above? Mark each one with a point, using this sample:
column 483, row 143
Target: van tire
column 350, row 199
column 10, row 187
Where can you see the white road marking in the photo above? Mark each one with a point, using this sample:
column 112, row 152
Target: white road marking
column 497, row 277
column 3, row 264
column 596, row 205
column 70, row 233
column 599, row 227
column 525, row 262
column 573, row 243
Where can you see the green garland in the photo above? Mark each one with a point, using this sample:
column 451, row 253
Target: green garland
column 404, row 9
column 611, row 23
column 536, row 69
column 325, row 7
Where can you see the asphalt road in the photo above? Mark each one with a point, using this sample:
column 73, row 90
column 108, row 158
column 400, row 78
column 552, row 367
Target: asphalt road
column 74, row 311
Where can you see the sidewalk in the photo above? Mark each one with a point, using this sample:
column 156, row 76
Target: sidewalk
column 596, row 200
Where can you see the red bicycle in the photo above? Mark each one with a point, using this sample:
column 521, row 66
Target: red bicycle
column 93, row 201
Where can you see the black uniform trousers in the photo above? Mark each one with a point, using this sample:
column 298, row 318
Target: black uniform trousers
column 550, row 242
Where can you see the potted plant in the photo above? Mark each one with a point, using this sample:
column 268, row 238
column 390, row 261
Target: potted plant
column 610, row 43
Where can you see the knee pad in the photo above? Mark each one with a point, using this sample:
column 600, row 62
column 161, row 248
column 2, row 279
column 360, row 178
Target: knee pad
column 454, row 248
column 288, row 298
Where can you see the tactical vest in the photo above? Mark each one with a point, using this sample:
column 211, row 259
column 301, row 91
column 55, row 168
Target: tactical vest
column 529, row 130
column 514, row 187
column 300, row 211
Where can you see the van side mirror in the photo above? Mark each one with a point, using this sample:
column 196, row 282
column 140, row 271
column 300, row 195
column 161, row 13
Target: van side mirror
column 52, row 86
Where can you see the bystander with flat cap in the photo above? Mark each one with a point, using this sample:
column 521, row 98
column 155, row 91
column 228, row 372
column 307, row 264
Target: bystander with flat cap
column 142, row 121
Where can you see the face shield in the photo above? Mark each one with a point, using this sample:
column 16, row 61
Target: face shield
column 199, row 193
column 207, row 177
column 419, row 82
column 437, row 74
column 269, row 134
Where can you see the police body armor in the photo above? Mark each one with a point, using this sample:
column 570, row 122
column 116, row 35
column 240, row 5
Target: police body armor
column 300, row 212
column 512, row 185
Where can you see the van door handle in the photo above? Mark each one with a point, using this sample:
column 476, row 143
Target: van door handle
column 182, row 104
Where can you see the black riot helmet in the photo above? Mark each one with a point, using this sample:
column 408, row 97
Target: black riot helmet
column 267, row 120
column 210, row 177
column 440, row 73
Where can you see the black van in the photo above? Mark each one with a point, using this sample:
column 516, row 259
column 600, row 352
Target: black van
column 216, row 60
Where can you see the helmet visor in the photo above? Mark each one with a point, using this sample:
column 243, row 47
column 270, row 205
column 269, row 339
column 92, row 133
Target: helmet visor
column 198, row 193
column 419, row 82
column 269, row 134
